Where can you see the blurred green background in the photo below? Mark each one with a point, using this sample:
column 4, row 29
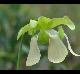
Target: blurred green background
column 14, row 16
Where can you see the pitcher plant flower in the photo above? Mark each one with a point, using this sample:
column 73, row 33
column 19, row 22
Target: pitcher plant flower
column 57, row 51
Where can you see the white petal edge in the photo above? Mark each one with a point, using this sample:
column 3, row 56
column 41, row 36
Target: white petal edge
column 56, row 50
column 34, row 53
column 69, row 47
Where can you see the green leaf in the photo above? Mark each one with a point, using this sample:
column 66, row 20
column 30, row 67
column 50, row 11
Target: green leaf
column 43, row 23
column 22, row 31
column 60, row 32
column 43, row 37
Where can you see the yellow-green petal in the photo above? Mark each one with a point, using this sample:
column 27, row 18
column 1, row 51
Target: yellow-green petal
column 60, row 32
column 69, row 47
column 69, row 23
column 56, row 50
column 34, row 53
column 22, row 31
column 33, row 23
column 59, row 21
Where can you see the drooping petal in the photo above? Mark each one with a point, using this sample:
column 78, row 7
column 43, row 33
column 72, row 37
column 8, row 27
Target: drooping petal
column 34, row 53
column 22, row 31
column 69, row 47
column 56, row 50
column 69, row 23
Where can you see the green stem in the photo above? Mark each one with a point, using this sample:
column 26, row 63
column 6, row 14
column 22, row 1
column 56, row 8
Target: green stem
column 19, row 54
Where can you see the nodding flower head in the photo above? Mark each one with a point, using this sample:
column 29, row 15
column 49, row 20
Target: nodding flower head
column 57, row 51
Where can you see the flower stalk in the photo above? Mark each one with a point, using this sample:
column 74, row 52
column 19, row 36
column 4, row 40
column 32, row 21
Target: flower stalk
column 19, row 55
